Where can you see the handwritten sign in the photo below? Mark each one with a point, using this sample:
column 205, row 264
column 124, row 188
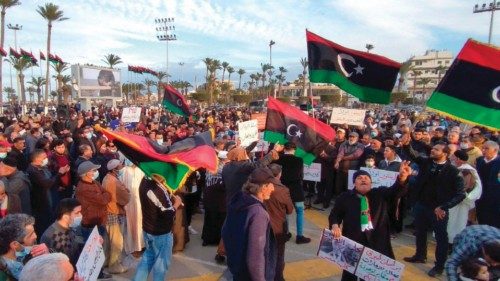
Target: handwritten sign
column 131, row 114
column 92, row 258
column 312, row 172
column 248, row 132
column 348, row 116
column 358, row 259
column 261, row 120
column 379, row 177
column 262, row 145
column 374, row 266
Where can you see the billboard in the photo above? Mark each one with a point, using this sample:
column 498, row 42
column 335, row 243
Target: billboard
column 97, row 82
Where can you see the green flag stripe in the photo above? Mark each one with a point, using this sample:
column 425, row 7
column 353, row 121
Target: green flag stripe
column 174, row 108
column 274, row 137
column 174, row 175
column 465, row 111
column 365, row 94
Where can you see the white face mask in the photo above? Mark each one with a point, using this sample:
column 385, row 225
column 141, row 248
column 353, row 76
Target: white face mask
column 45, row 162
column 22, row 132
column 95, row 175
column 464, row 145
column 159, row 141
column 3, row 155
column 88, row 135
column 370, row 163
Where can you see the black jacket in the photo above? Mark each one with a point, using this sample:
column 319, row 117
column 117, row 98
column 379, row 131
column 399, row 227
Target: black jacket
column 292, row 175
column 450, row 185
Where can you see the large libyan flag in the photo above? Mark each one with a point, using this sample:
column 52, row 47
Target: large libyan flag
column 286, row 123
column 368, row 77
column 172, row 164
column 470, row 89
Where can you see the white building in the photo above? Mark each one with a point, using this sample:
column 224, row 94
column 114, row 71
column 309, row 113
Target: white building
column 429, row 69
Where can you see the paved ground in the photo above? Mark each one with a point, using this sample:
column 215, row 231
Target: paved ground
column 197, row 262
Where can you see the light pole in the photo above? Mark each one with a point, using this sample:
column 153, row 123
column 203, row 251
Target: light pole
column 165, row 28
column 15, row 28
column 492, row 7
column 271, row 43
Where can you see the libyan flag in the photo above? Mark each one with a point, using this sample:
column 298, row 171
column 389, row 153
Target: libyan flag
column 286, row 123
column 174, row 101
column 172, row 164
column 366, row 76
column 470, row 89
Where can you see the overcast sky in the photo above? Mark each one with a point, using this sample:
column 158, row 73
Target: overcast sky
column 239, row 31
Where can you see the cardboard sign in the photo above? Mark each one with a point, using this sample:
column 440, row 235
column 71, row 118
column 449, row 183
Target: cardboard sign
column 131, row 114
column 261, row 120
column 379, row 177
column 312, row 172
column 348, row 116
column 248, row 132
column 92, row 257
column 358, row 259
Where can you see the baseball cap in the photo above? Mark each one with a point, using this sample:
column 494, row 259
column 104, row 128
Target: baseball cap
column 87, row 166
column 112, row 164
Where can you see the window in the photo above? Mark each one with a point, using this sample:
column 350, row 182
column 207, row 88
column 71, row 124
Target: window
column 440, row 62
column 447, row 62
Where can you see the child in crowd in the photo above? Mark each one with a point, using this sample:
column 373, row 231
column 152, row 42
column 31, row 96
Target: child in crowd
column 474, row 269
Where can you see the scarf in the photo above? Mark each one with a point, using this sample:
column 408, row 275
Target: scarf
column 366, row 220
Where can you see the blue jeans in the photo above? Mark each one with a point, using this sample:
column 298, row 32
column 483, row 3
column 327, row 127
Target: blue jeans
column 156, row 257
column 299, row 209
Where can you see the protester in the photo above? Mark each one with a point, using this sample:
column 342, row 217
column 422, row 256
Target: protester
column 132, row 177
column 474, row 269
column 17, row 152
column 158, row 211
column 9, row 203
column 362, row 212
column 247, row 232
column 438, row 188
column 347, row 159
column 115, row 222
column 325, row 187
column 50, row 267
column 488, row 167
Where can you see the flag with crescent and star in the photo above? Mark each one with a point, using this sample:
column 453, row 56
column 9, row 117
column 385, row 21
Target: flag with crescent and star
column 368, row 77
column 174, row 101
column 470, row 89
column 286, row 123
column 171, row 164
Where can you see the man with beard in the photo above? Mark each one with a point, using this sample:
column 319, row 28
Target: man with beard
column 438, row 188
column 362, row 212
column 347, row 159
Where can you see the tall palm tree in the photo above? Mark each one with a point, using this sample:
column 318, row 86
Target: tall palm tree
column 208, row 62
column 424, row 81
column 31, row 90
column 415, row 74
column 38, row 83
column 59, row 68
column 112, row 60
column 159, row 84
column 11, row 94
column 304, row 63
column 21, row 64
column 403, row 70
column 148, row 83
column 440, row 70
column 214, row 66
column 51, row 13
column 224, row 66
column 369, row 47
column 230, row 70
column 4, row 4
column 241, row 71
column 281, row 77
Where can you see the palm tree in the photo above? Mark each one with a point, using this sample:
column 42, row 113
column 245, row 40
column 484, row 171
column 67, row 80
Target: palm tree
column 224, row 66
column 31, row 90
column 252, row 81
column 21, row 64
column 214, row 66
column 38, row 83
column 403, row 70
column 112, row 60
column 148, row 84
column 369, row 47
column 440, row 70
column 11, row 94
column 208, row 62
column 51, row 13
column 160, row 76
column 415, row 73
column 281, row 77
column 304, row 63
column 230, row 70
column 241, row 71
column 59, row 68
column 424, row 81
column 4, row 4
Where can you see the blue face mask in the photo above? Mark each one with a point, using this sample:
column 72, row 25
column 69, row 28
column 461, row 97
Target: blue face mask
column 120, row 172
column 20, row 255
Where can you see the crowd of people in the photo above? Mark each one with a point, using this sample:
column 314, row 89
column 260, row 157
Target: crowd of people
column 61, row 178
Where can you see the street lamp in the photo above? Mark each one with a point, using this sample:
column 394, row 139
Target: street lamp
column 15, row 28
column 271, row 43
column 492, row 7
column 165, row 29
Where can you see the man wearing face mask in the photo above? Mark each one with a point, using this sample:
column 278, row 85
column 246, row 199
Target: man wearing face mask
column 60, row 236
column 43, row 181
column 17, row 243
column 17, row 152
column 361, row 214
column 115, row 224
column 347, row 159
column 473, row 152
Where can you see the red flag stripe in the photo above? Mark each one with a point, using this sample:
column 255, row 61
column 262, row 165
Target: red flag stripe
column 480, row 54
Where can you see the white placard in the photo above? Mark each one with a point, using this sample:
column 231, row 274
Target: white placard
column 348, row 116
column 358, row 259
column 262, row 145
column 379, row 177
column 131, row 114
column 312, row 172
column 92, row 257
column 248, row 132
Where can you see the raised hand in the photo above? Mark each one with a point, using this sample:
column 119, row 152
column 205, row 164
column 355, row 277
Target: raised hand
column 404, row 171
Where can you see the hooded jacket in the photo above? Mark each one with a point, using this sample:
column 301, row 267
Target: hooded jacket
column 249, row 240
